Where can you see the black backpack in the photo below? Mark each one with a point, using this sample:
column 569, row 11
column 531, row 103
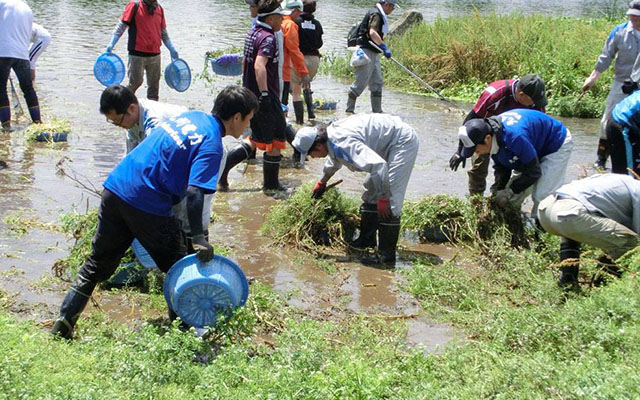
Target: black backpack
column 352, row 36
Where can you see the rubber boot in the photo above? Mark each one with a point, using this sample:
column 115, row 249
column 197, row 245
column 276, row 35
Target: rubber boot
column 351, row 104
column 290, row 134
column 569, row 249
column 34, row 112
column 606, row 265
column 376, row 102
column 308, row 98
column 234, row 157
column 298, row 108
column 285, row 93
column 368, row 227
column 74, row 302
column 388, row 233
column 271, row 170
column 603, row 154
column 5, row 117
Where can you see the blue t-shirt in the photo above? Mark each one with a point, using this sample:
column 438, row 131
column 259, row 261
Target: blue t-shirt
column 528, row 134
column 183, row 151
column 627, row 112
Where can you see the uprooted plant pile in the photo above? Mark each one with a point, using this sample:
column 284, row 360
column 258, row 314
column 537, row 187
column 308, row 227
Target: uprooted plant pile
column 46, row 130
column 306, row 223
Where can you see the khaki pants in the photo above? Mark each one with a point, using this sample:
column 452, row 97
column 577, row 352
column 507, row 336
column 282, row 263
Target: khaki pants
column 478, row 173
column 312, row 63
column 137, row 67
column 569, row 219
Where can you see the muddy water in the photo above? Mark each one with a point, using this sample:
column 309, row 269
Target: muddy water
column 67, row 89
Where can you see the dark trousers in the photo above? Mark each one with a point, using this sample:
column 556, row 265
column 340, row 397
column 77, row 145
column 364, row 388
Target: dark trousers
column 625, row 153
column 22, row 68
column 118, row 224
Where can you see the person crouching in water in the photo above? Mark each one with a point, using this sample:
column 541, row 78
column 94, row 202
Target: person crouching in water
column 386, row 148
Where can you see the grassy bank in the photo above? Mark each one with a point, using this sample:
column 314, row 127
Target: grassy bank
column 460, row 55
column 520, row 337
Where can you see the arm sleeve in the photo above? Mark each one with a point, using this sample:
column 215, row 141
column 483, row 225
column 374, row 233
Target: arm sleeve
column 292, row 43
column 502, row 175
column 529, row 174
column 195, row 204
column 609, row 51
column 41, row 39
column 330, row 168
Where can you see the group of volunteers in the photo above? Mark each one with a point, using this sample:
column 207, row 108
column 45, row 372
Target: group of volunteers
column 161, row 191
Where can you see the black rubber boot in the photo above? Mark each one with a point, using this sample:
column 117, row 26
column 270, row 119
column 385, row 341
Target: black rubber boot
column 285, row 93
column 608, row 266
column 271, row 170
column 351, row 103
column 368, row 227
column 74, row 302
column 290, row 134
column 603, row 154
column 308, row 98
column 376, row 102
column 298, row 108
column 569, row 250
column 234, row 157
column 388, row 234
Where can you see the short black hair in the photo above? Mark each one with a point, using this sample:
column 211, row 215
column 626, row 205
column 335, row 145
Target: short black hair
column 232, row 100
column 309, row 6
column 117, row 98
column 321, row 137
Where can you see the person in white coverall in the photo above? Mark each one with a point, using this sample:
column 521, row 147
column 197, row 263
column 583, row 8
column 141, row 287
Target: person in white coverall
column 385, row 147
column 139, row 117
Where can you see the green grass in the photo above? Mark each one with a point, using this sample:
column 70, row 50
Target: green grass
column 459, row 56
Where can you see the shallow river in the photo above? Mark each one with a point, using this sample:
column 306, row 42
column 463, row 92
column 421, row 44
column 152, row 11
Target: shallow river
column 67, row 89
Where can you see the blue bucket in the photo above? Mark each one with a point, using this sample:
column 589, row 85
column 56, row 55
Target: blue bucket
column 228, row 66
column 143, row 255
column 178, row 75
column 199, row 291
column 109, row 69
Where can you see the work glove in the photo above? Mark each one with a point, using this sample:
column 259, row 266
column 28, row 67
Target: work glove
column 305, row 80
column 455, row 161
column 503, row 197
column 385, row 50
column 112, row 43
column 319, row 189
column 629, row 86
column 109, row 49
column 204, row 250
column 174, row 54
column 384, row 209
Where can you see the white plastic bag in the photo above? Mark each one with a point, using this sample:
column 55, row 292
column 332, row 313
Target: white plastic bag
column 359, row 58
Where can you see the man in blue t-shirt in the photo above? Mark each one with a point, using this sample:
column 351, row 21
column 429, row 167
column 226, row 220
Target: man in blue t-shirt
column 180, row 158
column 623, row 135
column 529, row 142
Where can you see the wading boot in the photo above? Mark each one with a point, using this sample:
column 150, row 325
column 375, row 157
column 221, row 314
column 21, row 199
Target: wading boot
column 570, row 261
column 376, row 102
column 308, row 98
column 368, row 227
column 74, row 302
column 271, row 170
column 237, row 155
column 351, row 103
column 298, row 109
column 388, row 233
column 603, row 154
column 285, row 93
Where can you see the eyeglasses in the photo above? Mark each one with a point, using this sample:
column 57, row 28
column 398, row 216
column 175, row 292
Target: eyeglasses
column 114, row 122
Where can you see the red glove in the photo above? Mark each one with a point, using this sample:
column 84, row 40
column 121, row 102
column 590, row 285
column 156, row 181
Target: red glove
column 384, row 209
column 318, row 189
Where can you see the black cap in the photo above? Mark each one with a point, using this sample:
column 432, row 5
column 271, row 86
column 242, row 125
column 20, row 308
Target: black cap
column 472, row 133
column 533, row 86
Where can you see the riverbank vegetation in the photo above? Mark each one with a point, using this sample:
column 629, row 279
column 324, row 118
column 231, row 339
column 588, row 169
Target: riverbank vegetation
column 518, row 336
column 459, row 56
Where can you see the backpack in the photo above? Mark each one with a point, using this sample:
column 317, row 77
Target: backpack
column 352, row 36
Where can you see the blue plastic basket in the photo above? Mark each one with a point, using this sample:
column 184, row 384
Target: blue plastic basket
column 109, row 69
column 178, row 75
column 143, row 255
column 222, row 67
column 198, row 291
column 52, row 137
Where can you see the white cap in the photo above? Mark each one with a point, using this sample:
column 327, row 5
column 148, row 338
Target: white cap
column 304, row 140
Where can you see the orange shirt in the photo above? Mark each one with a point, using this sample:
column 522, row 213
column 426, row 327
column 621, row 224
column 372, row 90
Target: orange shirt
column 292, row 53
